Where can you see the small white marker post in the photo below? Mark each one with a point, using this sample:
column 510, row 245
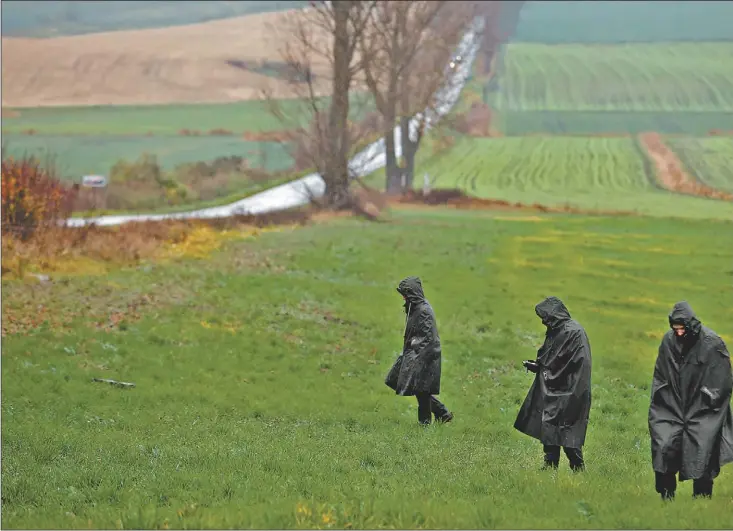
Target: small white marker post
column 426, row 184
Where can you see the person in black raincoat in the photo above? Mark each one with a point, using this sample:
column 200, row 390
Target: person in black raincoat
column 557, row 408
column 690, row 420
column 417, row 370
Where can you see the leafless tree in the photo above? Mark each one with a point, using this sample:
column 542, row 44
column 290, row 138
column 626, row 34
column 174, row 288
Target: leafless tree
column 404, row 52
column 320, row 53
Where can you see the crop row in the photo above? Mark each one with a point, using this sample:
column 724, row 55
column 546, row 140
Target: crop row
column 518, row 123
column 710, row 160
column 590, row 173
column 639, row 77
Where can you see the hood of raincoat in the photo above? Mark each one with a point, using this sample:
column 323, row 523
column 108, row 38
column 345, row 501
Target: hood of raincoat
column 411, row 289
column 553, row 312
column 683, row 314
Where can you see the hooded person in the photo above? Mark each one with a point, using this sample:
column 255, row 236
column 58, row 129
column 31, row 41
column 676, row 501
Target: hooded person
column 557, row 407
column 417, row 370
column 690, row 421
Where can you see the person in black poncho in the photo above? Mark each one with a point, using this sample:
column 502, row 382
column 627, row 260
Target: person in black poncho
column 557, row 407
column 417, row 370
column 690, row 420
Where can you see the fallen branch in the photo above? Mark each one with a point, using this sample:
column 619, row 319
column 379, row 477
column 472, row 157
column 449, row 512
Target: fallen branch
column 123, row 385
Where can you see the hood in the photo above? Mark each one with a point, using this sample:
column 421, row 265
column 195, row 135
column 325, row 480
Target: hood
column 411, row 289
column 552, row 311
column 683, row 314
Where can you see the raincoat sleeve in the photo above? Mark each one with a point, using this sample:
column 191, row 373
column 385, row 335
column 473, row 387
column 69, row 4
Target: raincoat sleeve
column 659, row 378
column 423, row 334
column 719, row 385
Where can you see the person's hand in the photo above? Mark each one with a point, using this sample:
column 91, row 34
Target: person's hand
column 710, row 397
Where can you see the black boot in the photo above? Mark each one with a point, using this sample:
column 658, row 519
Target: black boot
column 702, row 488
column 575, row 456
column 552, row 457
column 665, row 485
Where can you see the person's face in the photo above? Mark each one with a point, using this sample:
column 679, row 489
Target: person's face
column 679, row 330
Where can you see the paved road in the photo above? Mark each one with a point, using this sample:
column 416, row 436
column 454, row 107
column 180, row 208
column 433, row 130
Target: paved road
column 298, row 192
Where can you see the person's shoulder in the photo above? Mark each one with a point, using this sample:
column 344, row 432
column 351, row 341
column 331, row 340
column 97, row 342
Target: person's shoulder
column 667, row 337
column 426, row 308
column 574, row 327
column 713, row 341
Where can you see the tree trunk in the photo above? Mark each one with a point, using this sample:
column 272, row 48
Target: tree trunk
column 336, row 173
column 409, row 150
column 393, row 184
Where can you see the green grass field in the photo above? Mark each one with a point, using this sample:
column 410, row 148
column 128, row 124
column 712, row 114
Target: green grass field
column 518, row 123
column 247, row 116
column 639, row 77
column 260, row 403
column 90, row 155
column 709, row 159
column 590, row 173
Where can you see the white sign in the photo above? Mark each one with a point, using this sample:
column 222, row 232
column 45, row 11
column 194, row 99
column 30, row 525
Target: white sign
column 94, row 181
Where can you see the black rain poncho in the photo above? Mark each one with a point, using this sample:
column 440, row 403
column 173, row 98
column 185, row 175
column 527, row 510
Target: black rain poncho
column 690, row 421
column 417, row 369
column 557, row 408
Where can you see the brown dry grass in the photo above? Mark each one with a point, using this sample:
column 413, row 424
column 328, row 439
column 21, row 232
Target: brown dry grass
column 96, row 250
column 181, row 64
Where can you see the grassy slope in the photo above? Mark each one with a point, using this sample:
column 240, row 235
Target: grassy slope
column 586, row 89
column 518, row 123
column 252, row 116
column 47, row 19
column 708, row 159
column 590, row 173
column 638, row 77
column 252, row 415
column 77, row 156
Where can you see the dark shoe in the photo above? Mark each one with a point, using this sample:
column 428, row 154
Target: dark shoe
column 702, row 488
column 668, row 496
column 446, row 419
column 550, row 465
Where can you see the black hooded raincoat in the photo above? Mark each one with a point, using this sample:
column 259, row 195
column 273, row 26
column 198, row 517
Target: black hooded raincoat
column 690, row 420
column 417, row 369
column 557, row 408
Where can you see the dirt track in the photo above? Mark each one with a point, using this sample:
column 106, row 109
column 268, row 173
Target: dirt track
column 670, row 173
column 181, row 64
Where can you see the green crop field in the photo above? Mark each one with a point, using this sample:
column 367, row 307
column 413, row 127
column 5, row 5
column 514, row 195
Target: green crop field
column 75, row 156
column 252, row 116
column 562, row 21
column 708, row 159
column 518, row 123
column 589, row 173
column 639, row 77
column 247, row 116
column 260, row 400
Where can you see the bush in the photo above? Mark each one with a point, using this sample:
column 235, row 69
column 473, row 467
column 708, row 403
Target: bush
column 32, row 197
column 145, row 168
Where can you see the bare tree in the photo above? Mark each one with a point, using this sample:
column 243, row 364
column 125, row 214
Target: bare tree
column 431, row 70
column 320, row 53
column 404, row 54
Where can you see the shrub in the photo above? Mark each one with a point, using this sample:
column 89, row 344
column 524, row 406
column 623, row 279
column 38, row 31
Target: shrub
column 145, row 168
column 32, row 197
